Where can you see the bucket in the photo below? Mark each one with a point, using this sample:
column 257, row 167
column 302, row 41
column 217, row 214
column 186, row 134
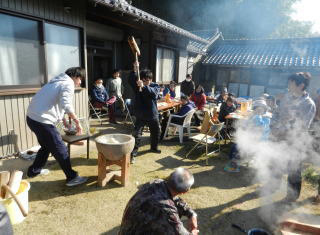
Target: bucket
column 10, row 204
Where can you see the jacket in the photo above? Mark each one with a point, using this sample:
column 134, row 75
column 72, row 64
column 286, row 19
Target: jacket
column 99, row 94
column 152, row 210
column 225, row 110
column 187, row 88
column 199, row 99
column 186, row 108
column 145, row 103
column 53, row 100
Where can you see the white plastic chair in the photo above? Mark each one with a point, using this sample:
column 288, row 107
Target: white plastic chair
column 212, row 136
column 186, row 124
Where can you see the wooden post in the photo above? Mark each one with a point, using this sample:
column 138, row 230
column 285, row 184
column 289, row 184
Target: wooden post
column 102, row 171
column 125, row 170
column 4, row 180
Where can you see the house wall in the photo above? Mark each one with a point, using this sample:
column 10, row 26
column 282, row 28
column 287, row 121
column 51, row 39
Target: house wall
column 273, row 81
column 14, row 106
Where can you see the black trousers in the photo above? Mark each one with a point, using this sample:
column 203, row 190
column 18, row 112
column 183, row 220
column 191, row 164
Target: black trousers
column 154, row 128
column 51, row 142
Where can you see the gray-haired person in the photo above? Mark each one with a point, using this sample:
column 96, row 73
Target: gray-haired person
column 156, row 209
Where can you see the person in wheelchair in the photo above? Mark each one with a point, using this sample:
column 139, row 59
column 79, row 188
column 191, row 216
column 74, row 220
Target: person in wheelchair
column 100, row 98
column 185, row 108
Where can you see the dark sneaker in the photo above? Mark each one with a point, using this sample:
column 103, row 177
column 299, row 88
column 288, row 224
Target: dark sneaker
column 155, row 151
column 76, row 181
column 114, row 122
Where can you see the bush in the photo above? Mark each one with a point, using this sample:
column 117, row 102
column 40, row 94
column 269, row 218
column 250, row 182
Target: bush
column 311, row 176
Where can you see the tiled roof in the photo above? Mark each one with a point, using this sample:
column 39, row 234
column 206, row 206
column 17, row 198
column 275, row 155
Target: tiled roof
column 201, row 48
column 266, row 53
column 126, row 8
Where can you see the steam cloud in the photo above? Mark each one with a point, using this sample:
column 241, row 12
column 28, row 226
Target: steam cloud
column 271, row 159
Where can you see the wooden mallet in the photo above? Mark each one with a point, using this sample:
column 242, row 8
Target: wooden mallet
column 136, row 51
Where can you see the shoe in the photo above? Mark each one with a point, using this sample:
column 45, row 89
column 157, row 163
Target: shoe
column 42, row 172
column 114, row 122
column 231, row 167
column 155, row 151
column 76, row 181
column 132, row 160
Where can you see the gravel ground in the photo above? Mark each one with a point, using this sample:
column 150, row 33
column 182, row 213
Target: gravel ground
column 219, row 198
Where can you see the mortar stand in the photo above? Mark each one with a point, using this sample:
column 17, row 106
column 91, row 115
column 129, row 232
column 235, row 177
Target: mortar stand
column 105, row 174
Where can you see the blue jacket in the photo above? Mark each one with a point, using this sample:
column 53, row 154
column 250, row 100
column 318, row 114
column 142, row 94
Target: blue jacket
column 172, row 93
column 145, row 104
column 99, row 94
column 186, row 108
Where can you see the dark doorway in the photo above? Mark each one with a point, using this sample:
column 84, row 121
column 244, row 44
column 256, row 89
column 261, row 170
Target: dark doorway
column 99, row 65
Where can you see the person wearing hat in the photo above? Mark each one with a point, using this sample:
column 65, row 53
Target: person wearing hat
column 260, row 122
column 223, row 96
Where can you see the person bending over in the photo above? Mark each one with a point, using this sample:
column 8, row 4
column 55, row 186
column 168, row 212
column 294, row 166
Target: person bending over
column 46, row 109
column 157, row 209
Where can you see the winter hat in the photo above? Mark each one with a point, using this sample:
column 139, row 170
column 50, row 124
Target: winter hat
column 260, row 103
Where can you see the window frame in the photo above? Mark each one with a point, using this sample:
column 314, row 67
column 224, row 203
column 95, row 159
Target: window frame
column 33, row 88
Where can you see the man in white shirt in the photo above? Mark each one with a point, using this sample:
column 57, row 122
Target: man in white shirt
column 114, row 87
column 46, row 109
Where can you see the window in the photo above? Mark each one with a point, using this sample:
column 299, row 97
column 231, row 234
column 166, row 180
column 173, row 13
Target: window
column 19, row 51
column 62, row 49
column 165, row 67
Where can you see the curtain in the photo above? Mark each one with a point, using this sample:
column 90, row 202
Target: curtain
column 19, row 51
column 63, row 49
column 165, row 65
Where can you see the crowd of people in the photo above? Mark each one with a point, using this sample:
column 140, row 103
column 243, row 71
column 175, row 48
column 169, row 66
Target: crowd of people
column 155, row 208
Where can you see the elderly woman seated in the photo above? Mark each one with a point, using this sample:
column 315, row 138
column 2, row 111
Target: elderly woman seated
column 185, row 108
column 170, row 90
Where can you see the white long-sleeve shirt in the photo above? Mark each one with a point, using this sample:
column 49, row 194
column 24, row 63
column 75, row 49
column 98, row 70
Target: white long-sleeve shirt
column 53, row 100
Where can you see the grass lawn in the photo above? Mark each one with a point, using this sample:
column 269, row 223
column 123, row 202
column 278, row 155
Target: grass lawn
column 219, row 198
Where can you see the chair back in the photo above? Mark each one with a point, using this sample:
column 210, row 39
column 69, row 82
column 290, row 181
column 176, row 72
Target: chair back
column 187, row 119
column 215, row 128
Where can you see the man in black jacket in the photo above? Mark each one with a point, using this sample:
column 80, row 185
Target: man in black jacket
column 187, row 86
column 146, row 111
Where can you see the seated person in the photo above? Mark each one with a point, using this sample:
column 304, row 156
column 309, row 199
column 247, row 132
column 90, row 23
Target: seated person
column 199, row 99
column 271, row 102
column 226, row 108
column 260, row 121
column 170, row 90
column 157, row 208
column 161, row 95
column 100, row 98
column 222, row 97
column 185, row 108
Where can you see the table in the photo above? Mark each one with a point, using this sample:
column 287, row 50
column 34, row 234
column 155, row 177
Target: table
column 163, row 106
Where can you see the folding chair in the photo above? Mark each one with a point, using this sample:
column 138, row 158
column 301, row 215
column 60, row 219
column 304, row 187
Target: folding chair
column 128, row 111
column 186, row 124
column 210, row 137
column 70, row 139
column 97, row 112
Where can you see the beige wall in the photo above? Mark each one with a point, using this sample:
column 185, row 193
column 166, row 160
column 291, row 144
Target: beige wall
column 13, row 110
